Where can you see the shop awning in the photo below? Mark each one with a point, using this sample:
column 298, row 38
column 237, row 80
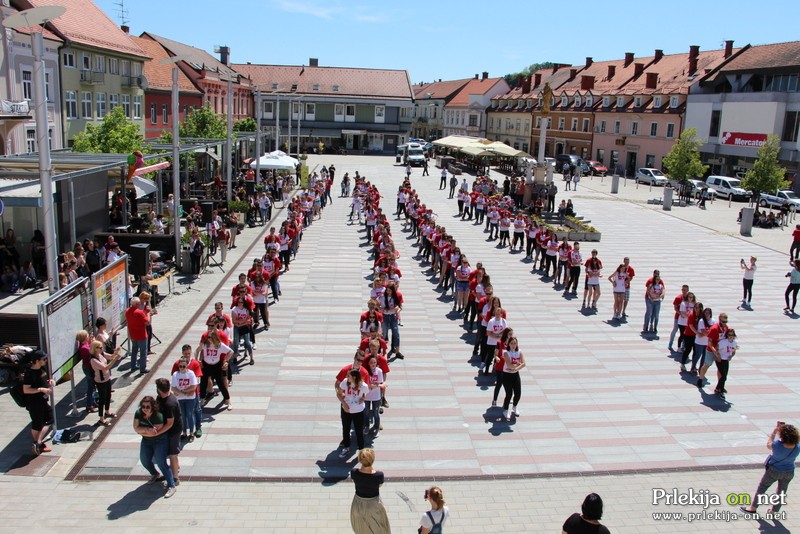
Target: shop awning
column 502, row 149
column 354, row 132
column 476, row 151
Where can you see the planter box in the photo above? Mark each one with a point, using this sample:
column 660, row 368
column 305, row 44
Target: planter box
column 577, row 236
column 592, row 236
column 562, row 234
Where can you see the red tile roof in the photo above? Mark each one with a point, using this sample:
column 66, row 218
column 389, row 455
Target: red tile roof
column 762, row 57
column 198, row 59
column 383, row 83
column 85, row 23
column 474, row 87
column 442, row 90
column 159, row 75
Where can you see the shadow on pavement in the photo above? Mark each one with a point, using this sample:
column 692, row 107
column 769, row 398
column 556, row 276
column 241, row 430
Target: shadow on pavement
column 137, row 500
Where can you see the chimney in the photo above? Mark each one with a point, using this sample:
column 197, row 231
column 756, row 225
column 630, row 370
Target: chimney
column 587, row 83
column 526, row 85
column 588, row 62
column 652, row 80
column 476, row 76
column 127, row 29
column 572, row 73
column 224, row 55
column 537, row 79
column 638, row 69
column 313, row 62
column 440, row 80
column 611, row 70
column 694, row 52
column 728, row 49
column 519, row 81
column 628, row 59
column 485, row 75
column 659, row 54
column 556, row 66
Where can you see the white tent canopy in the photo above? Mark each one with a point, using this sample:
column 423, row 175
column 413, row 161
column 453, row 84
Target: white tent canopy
column 275, row 160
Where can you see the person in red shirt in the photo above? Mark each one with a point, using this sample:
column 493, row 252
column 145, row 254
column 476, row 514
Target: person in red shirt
column 358, row 360
column 137, row 320
column 715, row 333
column 631, row 273
column 197, row 369
column 676, row 303
column 219, row 314
column 272, row 270
column 794, row 250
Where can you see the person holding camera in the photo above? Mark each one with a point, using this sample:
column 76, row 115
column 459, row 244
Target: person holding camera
column 747, row 280
column 794, row 285
column 779, row 465
column 433, row 520
column 37, row 388
column 589, row 518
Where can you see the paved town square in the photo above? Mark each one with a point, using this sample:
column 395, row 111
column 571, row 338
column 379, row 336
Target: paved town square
column 604, row 407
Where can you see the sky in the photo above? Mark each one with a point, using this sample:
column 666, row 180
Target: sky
column 452, row 39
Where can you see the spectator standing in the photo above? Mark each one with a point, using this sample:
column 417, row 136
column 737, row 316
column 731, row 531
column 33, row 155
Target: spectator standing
column 367, row 514
column 137, row 320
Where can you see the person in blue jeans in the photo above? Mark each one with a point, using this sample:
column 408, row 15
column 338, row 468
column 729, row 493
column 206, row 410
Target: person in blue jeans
column 779, row 466
column 137, row 320
column 148, row 422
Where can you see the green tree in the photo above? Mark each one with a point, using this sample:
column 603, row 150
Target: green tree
column 683, row 161
column 767, row 175
column 116, row 134
column 200, row 123
column 245, row 125
column 512, row 78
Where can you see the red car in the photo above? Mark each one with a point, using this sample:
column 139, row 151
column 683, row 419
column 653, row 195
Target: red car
column 597, row 168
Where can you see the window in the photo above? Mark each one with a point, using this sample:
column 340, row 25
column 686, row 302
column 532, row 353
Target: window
column 673, row 102
column 137, row 107
column 274, row 85
column 47, row 86
column 311, row 110
column 335, row 88
column 589, row 101
column 657, row 102
column 125, row 67
column 380, row 114
column 338, row 112
column 790, row 126
column 295, row 110
column 516, row 125
column 30, row 140
column 538, row 123
column 315, row 87
column 564, row 101
column 637, row 102
column 653, row 129
column 617, row 127
column 164, row 114
column 491, row 123
column 113, row 65
column 350, row 113
column 27, row 84
column 473, row 121
column 713, row 127
column 136, row 69
column 99, row 63
column 113, row 101
column 561, row 123
column 69, row 60
column 577, row 100
column 86, row 61
column 100, row 101
column 508, row 124
column 153, row 116
column 670, row 130
column 620, row 101
column 601, row 154
column 634, row 128
column 602, row 127
column 527, row 128
column 586, row 125
column 71, row 104
column 86, row 105
column 574, row 125
column 266, row 109
column 649, row 161
column 126, row 105
column 606, row 101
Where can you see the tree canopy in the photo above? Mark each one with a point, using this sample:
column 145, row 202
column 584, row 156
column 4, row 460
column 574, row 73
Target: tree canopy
column 116, row 134
column 248, row 124
column 683, row 161
column 527, row 71
column 767, row 175
column 200, row 123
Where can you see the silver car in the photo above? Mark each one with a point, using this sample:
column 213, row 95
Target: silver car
column 650, row 176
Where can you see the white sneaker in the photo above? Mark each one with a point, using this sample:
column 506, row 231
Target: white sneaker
column 170, row 492
column 515, row 411
column 254, row 346
column 505, row 415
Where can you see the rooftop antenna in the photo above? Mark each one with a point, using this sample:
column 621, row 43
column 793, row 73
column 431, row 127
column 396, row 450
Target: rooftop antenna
column 122, row 13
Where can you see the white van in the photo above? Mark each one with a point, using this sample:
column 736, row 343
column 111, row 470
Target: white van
column 727, row 187
column 412, row 153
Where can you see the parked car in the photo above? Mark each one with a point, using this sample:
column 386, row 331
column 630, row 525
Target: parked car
column 550, row 161
column 727, row 187
column 697, row 185
column 650, row 176
column 572, row 160
column 596, row 168
column 776, row 200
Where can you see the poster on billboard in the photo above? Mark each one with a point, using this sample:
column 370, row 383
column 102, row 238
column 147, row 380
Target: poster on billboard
column 60, row 318
column 110, row 293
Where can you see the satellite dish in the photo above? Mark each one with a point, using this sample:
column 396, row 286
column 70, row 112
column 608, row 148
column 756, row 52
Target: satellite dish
column 143, row 82
column 33, row 17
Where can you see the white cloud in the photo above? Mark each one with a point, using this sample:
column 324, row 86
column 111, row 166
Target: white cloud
column 307, row 8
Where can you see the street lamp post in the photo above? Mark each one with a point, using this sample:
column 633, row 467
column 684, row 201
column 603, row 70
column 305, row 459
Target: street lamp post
column 228, row 148
column 259, row 111
column 28, row 19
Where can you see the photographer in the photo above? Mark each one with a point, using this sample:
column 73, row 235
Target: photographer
column 37, row 388
column 779, row 465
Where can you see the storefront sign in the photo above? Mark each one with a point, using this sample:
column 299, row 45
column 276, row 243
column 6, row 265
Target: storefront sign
column 743, row 139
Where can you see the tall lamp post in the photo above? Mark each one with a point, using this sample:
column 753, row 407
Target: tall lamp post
column 28, row 19
column 229, row 134
column 176, row 161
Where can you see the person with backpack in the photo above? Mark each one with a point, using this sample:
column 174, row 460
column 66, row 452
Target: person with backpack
column 433, row 520
column 37, row 388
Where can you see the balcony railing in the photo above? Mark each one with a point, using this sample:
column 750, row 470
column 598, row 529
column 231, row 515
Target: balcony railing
column 92, row 77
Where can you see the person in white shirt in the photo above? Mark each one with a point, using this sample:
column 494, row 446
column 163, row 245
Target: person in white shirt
column 158, row 225
column 747, row 280
column 184, row 386
column 726, row 350
column 438, row 513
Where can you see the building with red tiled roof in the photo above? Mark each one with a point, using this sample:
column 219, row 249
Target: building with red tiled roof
column 465, row 113
column 429, row 102
column 336, row 107
column 743, row 100
column 211, row 76
column 17, row 123
column 636, row 122
column 101, row 67
column 158, row 95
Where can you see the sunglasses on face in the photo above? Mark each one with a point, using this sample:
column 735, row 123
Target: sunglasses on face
column 145, row 406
